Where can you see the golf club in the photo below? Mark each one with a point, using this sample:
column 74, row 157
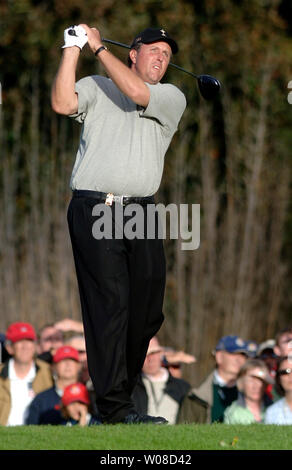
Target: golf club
column 209, row 86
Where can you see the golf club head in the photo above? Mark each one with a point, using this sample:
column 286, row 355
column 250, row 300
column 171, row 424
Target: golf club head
column 209, row 86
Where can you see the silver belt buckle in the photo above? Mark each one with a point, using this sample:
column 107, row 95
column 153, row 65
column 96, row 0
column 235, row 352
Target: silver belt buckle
column 119, row 199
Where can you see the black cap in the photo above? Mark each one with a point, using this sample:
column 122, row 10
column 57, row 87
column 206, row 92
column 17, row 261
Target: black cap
column 150, row 35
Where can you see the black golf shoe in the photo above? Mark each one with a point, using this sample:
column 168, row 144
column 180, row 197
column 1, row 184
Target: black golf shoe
column 135, row 418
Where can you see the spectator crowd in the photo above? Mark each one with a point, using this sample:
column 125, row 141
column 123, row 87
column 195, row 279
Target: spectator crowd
column 44, row 379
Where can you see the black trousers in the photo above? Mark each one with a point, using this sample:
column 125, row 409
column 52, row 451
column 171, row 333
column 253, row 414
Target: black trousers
column 121, row 285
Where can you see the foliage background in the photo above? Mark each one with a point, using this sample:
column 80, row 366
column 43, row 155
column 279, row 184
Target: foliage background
column 233, row 157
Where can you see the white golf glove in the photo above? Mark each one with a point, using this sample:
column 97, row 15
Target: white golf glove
column 75, row 36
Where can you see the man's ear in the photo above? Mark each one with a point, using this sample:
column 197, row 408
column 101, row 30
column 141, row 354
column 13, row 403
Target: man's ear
column 133, row 55
column 218, row 357
column 9, row 349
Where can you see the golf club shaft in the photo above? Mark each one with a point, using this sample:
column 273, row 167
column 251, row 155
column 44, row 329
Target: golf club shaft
column 116, row 43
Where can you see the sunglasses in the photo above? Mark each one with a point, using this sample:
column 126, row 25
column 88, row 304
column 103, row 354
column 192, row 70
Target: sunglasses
column 285, row 371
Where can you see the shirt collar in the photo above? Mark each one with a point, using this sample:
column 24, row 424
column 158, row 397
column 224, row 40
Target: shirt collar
column 162, row 378
column 12, row 374
column 217, row 379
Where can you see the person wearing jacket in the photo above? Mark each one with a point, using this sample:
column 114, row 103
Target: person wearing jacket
column 157, row 391
column 207, row 403
column 66, row 368
column 22, row 376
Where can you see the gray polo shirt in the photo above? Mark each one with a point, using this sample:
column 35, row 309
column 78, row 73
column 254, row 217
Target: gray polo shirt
column 122, row 145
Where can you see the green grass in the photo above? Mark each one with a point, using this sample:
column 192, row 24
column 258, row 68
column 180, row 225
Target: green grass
column 147, row 437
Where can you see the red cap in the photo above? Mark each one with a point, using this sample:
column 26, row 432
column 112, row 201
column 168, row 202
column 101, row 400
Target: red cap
column 18, row 331
column 66, row 352
column 75, row 392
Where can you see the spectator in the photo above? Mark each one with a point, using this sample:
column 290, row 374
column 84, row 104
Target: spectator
column 283, row 346
column 173, row 361
column 21, row 377
column 252, row 402
column 66, row 368
column 266, row 354
column 207, row 403
column 49, row 340
column 77, row 341
column 281, row 411
column 75, row 407
column 4, row 356
column 157, row 392
column 252, row 348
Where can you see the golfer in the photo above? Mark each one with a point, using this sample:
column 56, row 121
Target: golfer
column 128, row 121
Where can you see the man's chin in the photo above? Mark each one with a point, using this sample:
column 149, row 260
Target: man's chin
column 155, row 78
column 154, row 81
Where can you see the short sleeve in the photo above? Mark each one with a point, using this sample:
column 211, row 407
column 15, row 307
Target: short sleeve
column 226, row 418
column 167, row 104
column 87, row 90
column 273, row 414
column 268, row 417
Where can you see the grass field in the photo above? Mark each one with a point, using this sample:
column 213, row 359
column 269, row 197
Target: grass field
column 147, row 437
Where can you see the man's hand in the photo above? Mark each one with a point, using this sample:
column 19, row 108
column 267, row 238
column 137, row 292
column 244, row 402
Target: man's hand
column 75, row 36
column 93, row 36
column 69, row 325
column 83, row 414
column 179, row 357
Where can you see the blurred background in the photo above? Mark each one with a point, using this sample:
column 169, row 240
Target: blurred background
column 231, row 156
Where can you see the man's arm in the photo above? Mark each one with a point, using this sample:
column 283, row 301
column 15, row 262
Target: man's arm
column 64, row 100
column 127, row 81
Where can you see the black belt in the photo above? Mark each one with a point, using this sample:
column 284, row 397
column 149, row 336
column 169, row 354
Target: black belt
column 109, row 198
